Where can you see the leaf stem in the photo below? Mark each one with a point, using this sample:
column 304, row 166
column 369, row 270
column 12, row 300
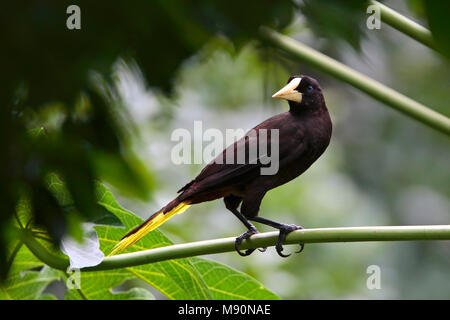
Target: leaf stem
column 372, row 87
column 43, row 253
column 322, row 235
column 405, row 25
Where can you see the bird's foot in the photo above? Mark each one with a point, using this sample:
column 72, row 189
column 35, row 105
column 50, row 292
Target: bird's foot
column 284, row 230
column 243, row 237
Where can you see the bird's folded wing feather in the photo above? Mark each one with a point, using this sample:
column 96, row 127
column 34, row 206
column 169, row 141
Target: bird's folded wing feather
column 219, row 174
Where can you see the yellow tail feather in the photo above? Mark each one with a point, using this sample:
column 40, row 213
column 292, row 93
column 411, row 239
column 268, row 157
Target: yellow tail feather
column 158, row 219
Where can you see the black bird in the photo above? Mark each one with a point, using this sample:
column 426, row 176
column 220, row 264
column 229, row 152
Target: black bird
column 304, row 133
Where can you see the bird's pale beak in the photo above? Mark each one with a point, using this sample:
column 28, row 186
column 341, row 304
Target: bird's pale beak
column 288, row 92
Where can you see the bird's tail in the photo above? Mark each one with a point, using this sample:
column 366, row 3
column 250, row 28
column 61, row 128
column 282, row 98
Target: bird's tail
column 157, row 219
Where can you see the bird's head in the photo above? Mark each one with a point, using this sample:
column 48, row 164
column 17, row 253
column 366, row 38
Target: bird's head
column 302, row 93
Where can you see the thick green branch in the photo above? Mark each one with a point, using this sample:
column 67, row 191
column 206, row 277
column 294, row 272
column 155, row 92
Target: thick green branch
column 358, row 234
column 405, row 25
column 373, row 88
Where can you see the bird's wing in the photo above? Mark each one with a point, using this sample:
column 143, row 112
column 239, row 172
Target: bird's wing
column 219, row 174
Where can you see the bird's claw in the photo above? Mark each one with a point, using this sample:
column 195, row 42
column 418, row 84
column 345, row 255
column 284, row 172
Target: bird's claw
column 302, row 246
column 282, row 236
column 242, row 237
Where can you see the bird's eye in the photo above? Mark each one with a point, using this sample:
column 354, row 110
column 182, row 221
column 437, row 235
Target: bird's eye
column 309, row 89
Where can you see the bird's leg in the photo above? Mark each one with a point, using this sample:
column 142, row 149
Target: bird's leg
column 231, row 203
column 284, row 230
column 251, row 231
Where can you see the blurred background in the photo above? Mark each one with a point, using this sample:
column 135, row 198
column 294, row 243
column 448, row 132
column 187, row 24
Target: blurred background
column 381, row 168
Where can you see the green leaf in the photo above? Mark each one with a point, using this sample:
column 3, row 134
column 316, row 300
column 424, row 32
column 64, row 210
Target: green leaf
column 62, row 194
column 23, row 260
column 226, row 283
column 177, row 279
column 23, row 211
column 28, row 286
column 99, row 286
column 193, row 278
column 133, row 294
column 24, row 284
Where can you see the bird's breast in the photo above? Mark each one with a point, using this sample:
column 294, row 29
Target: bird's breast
column 315, row 137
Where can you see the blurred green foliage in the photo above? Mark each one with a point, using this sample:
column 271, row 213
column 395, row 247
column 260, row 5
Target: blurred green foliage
column 50, row 85
column 67, row 116
column 436, row 13
column 336, row 20
column 52, row 63
column 184, row 279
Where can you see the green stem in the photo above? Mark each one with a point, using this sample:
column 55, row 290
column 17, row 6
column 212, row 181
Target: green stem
column 356, row 234
column 373, row 88
column 405, row 25
column 42, row 253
